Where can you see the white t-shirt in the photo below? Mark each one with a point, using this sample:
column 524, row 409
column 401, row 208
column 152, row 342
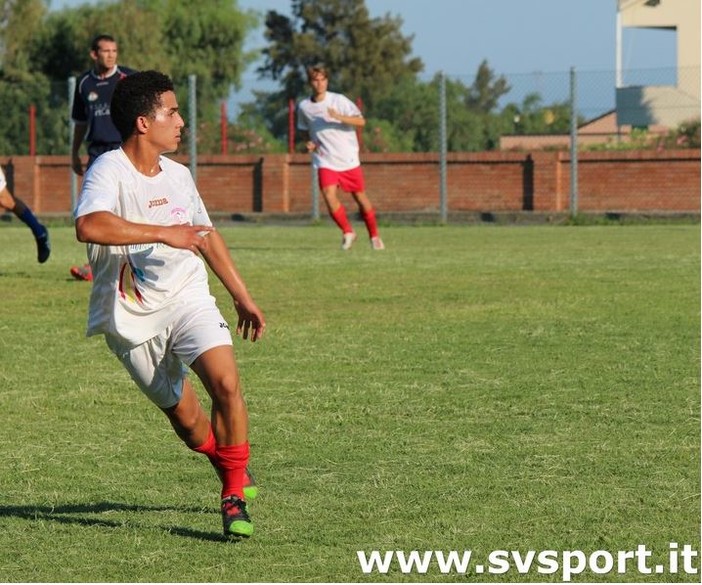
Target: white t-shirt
column 337, row 144
column 137, row 288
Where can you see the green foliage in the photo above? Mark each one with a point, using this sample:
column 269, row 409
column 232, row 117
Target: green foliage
column 180, row 38
column 686, row 135
column 533, row 117
column 365, row 56
column 384, row 136
column 486, row 90
column 51, row 123
column 471, row 388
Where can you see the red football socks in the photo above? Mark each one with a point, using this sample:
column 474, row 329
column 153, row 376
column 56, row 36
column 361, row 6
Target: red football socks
column 340, row 218
column 209, row 448
column 233, row 460
column 371, row 224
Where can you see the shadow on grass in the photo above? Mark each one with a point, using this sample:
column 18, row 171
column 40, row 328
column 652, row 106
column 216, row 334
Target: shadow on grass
column 70, row 514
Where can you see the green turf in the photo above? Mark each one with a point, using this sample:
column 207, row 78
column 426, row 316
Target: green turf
column 470, row 388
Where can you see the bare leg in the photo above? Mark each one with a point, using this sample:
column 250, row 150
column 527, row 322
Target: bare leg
column 219, row 373
column 331, row 199
column 188, row 418
column 364, row 204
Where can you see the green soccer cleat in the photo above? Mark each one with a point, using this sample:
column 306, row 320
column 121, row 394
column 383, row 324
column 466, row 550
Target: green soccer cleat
column 250, row 487
column 235, row 519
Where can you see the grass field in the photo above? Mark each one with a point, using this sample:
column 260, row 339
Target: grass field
column 470, row 388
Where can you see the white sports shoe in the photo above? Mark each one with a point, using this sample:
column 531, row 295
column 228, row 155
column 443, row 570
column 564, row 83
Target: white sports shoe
column 377, row 243
column 347, row 240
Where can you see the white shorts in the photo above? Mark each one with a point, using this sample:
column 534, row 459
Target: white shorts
column 158, row 365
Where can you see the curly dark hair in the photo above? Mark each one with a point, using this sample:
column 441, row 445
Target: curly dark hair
column 137, row 95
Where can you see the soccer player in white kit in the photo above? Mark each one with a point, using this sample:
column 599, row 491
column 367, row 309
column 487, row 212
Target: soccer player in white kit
column 328, row 122
column 148, row 232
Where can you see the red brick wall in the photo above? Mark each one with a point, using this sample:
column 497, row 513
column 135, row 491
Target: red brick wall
column 482, row 182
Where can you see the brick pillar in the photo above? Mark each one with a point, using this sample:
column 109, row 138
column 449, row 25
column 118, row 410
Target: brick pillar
column 25, row 173
column 275, row 183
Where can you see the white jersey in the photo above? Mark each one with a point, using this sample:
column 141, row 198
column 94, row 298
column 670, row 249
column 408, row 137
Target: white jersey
column 3, row 181
column 337, row 144
column 137, row 288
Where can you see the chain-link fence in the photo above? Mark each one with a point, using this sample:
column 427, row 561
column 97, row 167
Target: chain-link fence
column 531, row 111
column 572, row 115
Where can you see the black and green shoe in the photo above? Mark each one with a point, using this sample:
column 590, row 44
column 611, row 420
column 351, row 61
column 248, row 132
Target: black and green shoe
column 235, row 519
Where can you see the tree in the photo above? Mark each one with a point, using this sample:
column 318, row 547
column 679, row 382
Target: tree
column 486, row 91
column 177, row 37
column 19, row 21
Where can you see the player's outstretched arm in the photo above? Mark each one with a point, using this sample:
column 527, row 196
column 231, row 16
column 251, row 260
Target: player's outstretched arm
column 108, row 229
column 251, row 322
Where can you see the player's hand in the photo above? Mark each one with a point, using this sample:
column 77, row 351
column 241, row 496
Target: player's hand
column 251, row 322
column 187, row 237
column 77, row 165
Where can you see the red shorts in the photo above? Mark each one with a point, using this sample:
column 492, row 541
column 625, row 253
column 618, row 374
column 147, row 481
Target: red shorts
column 350, row 181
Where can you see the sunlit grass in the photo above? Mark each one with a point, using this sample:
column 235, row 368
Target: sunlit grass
column 518, row 388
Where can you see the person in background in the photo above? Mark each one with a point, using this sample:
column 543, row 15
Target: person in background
column 150, row 241
column 91, row 113
column 22, row 211
column 328, row 123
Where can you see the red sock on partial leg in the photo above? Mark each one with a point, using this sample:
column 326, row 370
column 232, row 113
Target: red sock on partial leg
column 209, row 448
column 232, row 460
column 371, row 223
column 340, row 218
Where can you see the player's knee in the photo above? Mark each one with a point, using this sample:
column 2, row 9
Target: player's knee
column 227, row 391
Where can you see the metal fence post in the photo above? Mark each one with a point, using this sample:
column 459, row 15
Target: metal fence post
column 443, row 192
column 71, row 126
column 573, row 145
column 315, row 193
column 192, row 122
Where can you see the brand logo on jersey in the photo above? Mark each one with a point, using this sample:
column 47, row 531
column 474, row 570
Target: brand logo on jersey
column 223, row 326
column 92, row 96
column 158, row 202
column 179, row 214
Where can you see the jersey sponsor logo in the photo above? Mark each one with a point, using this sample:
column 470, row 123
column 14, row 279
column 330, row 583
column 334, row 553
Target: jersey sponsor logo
column 158, row 202
column 101, row 110
column 223, row 325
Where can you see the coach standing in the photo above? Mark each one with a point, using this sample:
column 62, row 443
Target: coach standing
column 91, row 103
column 91, row 113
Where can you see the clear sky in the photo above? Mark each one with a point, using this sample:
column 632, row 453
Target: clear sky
column 516, row 37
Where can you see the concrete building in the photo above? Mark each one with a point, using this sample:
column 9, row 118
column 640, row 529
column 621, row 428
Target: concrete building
column 642, row 106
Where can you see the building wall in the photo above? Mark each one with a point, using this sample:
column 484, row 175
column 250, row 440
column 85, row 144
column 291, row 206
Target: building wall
column 641, row 106
column 482, row 182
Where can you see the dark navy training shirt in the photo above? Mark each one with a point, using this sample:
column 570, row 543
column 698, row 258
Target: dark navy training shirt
column 91, row 105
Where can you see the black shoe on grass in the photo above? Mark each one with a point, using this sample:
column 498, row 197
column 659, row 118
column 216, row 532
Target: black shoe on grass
column 43, row 247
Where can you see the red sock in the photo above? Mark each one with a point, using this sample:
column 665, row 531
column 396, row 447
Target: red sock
column 233, row 460
column 209, row 448
column 339, row 217
column 371, row 224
